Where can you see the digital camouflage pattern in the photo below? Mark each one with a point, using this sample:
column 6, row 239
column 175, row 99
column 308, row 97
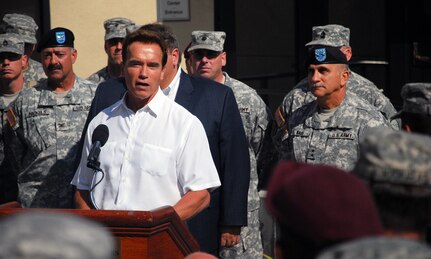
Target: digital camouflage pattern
column 301, row 95
column 11, row 42
column 100, row 76
column 36, row 234
column 333, row 35
column 396, row 162
column 334, row 143
column 255, row 119
column 211, row 40
column 117, row 27
column 416, row 99
column 378, row 248
column 33, row 73
column 21, row 24
column 43, row 141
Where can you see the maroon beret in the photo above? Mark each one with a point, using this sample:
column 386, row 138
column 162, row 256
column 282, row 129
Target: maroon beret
column 321, row 203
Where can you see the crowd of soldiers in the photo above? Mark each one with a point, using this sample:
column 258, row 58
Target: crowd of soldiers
column 343, row 173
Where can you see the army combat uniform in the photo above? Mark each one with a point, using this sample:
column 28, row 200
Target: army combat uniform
column 41, row 142
column 334, row 142
column 33, row 73
column 100, row 76
column 255, row 118
column 301, row 95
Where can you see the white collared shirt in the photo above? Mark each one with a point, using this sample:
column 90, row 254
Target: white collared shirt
column 152, row 157
column 172, row 89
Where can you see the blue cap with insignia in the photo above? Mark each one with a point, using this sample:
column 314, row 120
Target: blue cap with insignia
column 57, row 37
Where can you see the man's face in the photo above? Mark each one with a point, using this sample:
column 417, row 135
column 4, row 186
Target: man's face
column 207, row 63
column 143, row 71
column 11, row 65
column 113, row 48
column 325, row 79
column 57, row 62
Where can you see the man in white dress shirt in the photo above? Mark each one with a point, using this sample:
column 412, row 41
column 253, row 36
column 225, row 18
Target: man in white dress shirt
column 157, row 152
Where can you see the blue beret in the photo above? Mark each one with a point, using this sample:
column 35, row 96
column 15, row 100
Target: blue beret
column 325, row 55
column 57, row 37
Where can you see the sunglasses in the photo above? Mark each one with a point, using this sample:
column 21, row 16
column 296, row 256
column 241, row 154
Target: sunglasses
column 9, row 56
column 201, row 53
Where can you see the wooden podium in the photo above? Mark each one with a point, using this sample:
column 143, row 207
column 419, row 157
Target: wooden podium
column 139, row 234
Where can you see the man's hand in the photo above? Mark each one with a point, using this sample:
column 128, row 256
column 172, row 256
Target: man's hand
column 230, row 236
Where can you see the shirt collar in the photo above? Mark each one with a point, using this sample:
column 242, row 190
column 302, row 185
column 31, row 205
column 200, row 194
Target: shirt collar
column 154, row 107
column 171, row 90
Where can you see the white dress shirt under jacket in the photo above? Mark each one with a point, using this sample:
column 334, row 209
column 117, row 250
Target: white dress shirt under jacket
column 151, row 159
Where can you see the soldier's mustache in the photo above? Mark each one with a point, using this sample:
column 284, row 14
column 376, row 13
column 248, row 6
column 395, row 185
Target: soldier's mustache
column 55, row 66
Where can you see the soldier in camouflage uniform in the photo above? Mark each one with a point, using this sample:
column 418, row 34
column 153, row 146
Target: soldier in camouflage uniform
column 26, row 27
column 12, row 63
column 115, row 32
column 45, row 126
column 328, row 130
column 397, row 167
column 378, row 248
column 335, row 36
column 416, row 112
column 208, row 59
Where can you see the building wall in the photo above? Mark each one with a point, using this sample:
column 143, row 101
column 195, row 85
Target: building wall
column 87, row 25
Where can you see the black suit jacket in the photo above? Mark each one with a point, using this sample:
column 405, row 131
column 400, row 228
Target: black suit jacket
column 215, row 106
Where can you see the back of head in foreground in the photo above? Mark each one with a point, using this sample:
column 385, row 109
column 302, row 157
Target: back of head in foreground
column 397, row 167
column 317, row 206
column 43, row 235
column 378, row 248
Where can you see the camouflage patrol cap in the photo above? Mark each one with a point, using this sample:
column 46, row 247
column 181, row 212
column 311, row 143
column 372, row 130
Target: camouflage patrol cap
column 416, row 99
column 117, row 27
column 330, row 35
column 11, row 42
column 21, row 24
column 395, row 162
column 378, row 248
column 53, row 235
column 211, row 40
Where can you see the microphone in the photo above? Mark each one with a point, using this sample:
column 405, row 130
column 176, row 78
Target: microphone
column 99, row 138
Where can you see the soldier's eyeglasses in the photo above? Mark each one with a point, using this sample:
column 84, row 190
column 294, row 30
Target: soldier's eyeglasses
column 201, row 53
column 9, row 56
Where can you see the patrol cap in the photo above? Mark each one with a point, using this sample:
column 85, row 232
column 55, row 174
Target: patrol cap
column 21, row 24
column 416, row 99
column 12, row 42
column 117, row 27
column 53, row 235
column 57, row 37
column 330, row 35
column 378, row 248
column 211, row 40
column 321, row 203
column 325, row 55
column 395, row 162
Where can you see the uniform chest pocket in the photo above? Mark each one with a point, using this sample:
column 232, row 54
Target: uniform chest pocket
column 155, row 160
column 341, row 140
column 39, row 133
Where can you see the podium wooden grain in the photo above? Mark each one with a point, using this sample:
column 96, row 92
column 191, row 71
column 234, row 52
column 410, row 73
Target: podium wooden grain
column 140, row 234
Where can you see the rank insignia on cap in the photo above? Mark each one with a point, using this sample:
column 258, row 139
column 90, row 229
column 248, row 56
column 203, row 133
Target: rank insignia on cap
column 320, row 54
column 11, row 118
column 5, row 43
column 60, row 37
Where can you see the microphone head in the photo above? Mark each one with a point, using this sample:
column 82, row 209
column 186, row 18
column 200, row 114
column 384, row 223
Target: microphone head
column 101, row 134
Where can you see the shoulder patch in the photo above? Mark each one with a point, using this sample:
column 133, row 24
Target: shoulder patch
column 11, row 118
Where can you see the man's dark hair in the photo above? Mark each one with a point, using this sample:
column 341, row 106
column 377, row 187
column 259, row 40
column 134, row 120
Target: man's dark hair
column 144, row 37
column 167, row 35
column 419, row 123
